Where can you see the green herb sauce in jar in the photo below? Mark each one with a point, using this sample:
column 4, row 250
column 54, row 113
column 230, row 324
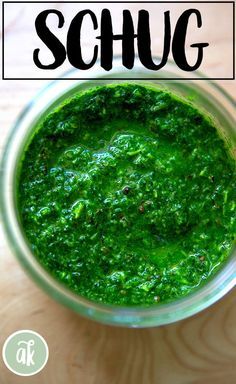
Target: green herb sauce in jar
column 126, row 194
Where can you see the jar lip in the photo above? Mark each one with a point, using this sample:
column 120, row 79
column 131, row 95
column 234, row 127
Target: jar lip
column 198, row 74
column 194, row 302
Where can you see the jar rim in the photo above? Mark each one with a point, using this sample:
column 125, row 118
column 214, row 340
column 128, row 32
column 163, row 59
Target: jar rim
column 134, row 316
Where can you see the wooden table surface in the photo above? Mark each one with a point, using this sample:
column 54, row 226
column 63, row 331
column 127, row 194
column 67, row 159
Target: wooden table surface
column 199, row 350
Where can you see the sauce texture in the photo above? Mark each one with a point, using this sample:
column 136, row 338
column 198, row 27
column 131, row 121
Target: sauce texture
column 126, row 195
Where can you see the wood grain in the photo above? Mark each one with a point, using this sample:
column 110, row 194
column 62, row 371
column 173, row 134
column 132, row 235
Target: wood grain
column 198, row 350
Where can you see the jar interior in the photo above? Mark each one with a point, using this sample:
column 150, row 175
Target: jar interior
column 224, row 123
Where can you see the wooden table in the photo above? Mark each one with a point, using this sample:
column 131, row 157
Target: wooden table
column 199, row 350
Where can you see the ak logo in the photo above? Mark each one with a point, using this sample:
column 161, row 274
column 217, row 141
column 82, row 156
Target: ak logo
column 25, row 353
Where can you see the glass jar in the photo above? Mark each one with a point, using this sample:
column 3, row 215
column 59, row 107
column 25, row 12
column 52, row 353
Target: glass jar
column 209, row 97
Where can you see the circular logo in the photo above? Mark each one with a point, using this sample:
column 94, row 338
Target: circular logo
column 25, row 353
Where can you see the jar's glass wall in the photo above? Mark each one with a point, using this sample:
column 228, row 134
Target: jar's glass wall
column 208, row 97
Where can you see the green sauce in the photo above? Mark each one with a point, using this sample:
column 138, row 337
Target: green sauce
column 127, row 195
